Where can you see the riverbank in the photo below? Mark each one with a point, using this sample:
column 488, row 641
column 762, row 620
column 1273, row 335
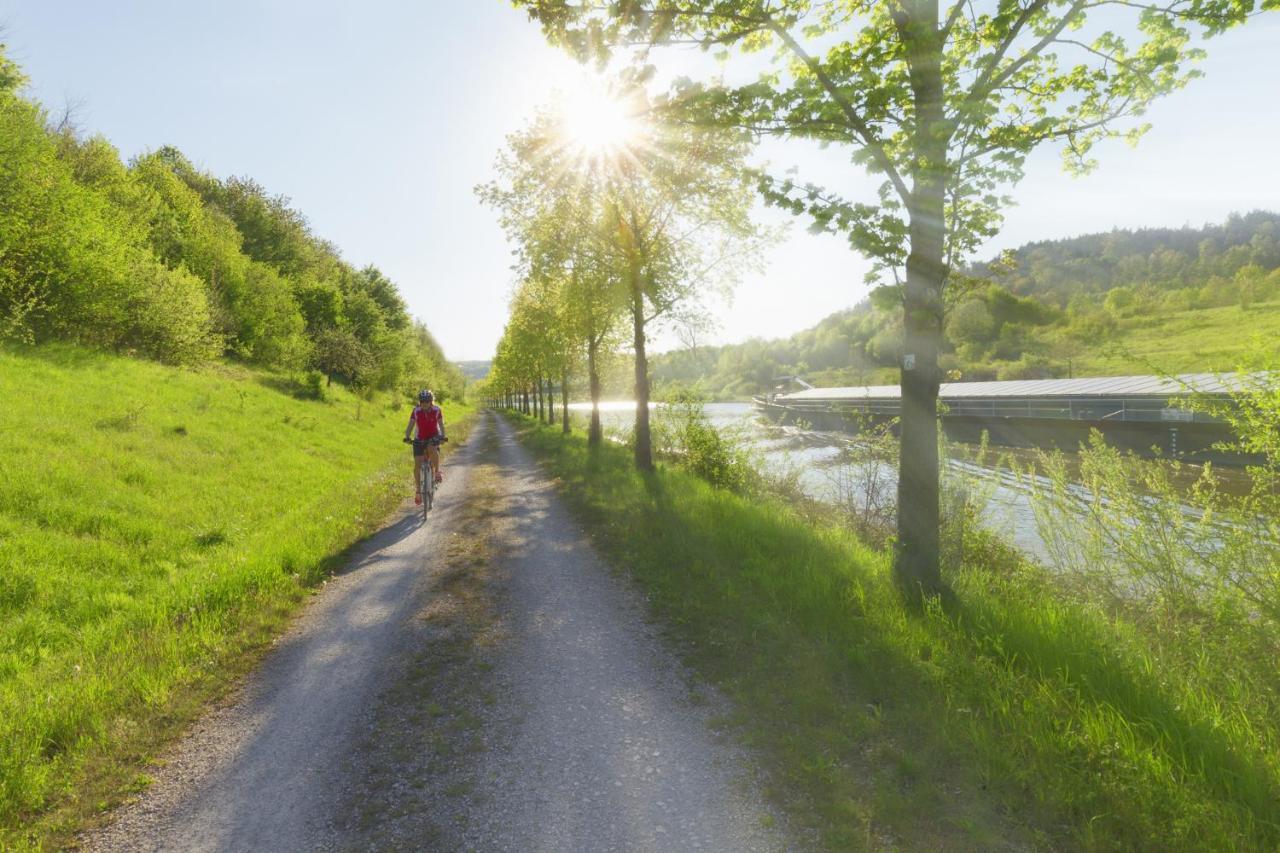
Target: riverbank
column 157, row 529
column 1012, row 718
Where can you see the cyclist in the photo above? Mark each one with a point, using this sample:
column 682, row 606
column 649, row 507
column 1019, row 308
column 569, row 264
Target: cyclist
column 426, row 427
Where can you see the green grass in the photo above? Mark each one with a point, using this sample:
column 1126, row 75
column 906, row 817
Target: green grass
column 1200, row 340
column 156, row 526
column 1009, row 719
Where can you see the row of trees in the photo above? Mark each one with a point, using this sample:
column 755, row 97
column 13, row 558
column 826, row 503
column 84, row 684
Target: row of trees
column 942, row 103
column 613, row 236
column 160, row 258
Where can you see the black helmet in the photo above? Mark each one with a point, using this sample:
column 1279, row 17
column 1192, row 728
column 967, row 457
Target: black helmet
column 426, row 396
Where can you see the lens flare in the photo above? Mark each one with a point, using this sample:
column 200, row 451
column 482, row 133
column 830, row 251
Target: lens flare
column 598, row 124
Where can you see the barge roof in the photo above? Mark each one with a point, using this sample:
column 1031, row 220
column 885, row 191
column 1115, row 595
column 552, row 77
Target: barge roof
column 1109, row 386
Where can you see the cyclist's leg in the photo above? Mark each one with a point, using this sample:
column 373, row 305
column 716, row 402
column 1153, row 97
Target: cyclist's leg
column 434, row 450
column 417, row 474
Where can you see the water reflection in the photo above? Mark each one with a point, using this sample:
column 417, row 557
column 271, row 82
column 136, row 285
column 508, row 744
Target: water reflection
column 821, row 462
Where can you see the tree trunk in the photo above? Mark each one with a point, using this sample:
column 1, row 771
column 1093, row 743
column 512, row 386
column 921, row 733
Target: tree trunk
column 593, row 380
column 551, row 402
column 918, row 552
column 643, row 441
column 564, row 401
column 537, row 398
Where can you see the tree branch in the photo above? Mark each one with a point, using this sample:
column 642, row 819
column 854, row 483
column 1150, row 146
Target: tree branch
column 869, row 139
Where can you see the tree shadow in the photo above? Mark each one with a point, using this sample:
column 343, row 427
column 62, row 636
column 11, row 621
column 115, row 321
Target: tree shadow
column 287, row 385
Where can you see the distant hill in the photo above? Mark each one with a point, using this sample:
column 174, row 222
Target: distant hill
column 1181, row 299
column 474, row 370
column 1166, row 258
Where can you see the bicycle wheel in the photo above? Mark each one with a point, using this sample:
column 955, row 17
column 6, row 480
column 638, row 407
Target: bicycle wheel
column 428, row 492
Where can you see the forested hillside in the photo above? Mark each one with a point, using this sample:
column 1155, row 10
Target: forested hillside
column 162, row 259
column 1182, row 299
column 1160, row 258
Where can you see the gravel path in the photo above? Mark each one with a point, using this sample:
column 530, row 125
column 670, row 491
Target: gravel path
column 538, row 711
column 613, row 747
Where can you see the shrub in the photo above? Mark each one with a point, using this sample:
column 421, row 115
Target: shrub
column 169, row 315
column 313, row 385
column 1029, row 366
column 682, row 432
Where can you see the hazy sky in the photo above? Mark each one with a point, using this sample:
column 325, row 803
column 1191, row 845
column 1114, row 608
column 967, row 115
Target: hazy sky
column 379, row 117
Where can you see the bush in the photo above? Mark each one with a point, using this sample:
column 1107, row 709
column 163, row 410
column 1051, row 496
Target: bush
column 313, row 384
column 682, row 432
column 169, row 315
column 1027, row 367
column 1195, row 568
column 269, row 325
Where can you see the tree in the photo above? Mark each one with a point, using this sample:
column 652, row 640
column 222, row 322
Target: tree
column 11, row 77
column 971, row 322
column 944, row 105
column 678, row 206
column 337, row 351
column 592, row 306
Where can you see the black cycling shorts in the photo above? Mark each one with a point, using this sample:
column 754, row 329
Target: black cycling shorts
column 420, row 445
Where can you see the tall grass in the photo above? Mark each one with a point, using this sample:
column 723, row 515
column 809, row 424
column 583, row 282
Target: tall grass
column 154, row 525
column 1003, row 717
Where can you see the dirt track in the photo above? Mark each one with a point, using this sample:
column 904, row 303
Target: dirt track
column 484, row 682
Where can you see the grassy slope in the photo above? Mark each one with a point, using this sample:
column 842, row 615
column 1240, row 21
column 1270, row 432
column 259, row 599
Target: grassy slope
column 1011, row 720
column 155, row 527
column 1206, row 339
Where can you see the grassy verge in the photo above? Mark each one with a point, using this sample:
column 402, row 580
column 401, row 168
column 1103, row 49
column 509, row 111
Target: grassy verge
column 1007, row 720
column 156, row 527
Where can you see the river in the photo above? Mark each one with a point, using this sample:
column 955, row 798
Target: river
column 819, row 459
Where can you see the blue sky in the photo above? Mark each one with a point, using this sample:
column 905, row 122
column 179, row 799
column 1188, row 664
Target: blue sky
column 377, row 118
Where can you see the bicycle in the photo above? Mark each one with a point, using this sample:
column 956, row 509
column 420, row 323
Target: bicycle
column 428, row 476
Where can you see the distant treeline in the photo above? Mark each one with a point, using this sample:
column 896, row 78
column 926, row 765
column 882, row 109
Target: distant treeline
column 1031, row 313
column 160, row 258
column 1059, row 271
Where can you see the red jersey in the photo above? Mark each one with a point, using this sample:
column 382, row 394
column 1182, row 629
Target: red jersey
column 429, row 422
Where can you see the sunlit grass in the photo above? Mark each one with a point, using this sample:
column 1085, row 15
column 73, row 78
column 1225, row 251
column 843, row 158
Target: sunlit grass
column 154, row 524
column 1197, row 340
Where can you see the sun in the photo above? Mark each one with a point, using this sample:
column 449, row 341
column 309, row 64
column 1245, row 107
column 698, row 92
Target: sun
column 597, row 123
